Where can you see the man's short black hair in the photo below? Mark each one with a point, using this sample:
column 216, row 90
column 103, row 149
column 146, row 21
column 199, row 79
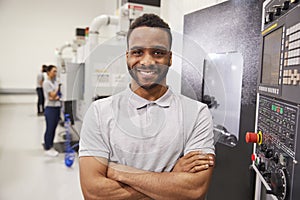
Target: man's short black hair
column 150, row 20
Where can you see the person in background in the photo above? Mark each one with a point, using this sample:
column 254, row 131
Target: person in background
column 147, row 142
column 40, row 92
column 52, row 110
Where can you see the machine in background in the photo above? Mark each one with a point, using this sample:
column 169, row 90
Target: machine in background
column 276, row 150
column 89, row 73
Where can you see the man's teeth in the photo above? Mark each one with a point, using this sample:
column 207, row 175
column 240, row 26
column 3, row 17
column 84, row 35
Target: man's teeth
column 146, row 72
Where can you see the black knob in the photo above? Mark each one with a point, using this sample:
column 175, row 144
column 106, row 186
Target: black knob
column 279, row 184
column 269, row 153
column 263, row 147
column 277, row 11
column 269, row 17
column 286, row 5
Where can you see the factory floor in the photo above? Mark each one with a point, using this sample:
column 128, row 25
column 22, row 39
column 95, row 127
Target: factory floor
column 25, row 171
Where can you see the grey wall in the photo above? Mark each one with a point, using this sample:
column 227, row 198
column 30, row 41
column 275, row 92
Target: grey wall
column 231, row 26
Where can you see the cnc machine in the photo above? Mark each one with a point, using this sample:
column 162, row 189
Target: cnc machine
column 276, row 151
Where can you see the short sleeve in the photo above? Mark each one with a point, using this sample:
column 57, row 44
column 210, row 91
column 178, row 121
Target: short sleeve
column 47, row 87
column 201, row 137
column 91, row 137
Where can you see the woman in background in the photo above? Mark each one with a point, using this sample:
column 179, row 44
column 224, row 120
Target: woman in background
column 52, row 111
column 39, row 90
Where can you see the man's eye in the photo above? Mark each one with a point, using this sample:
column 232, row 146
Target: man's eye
column 159, row 53
column 136, row 52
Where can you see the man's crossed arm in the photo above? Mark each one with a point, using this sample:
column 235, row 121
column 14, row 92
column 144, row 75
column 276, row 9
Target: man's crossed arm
column 189, row 179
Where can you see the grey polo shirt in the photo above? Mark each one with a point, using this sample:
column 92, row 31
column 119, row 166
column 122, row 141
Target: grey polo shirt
column 50, row 86
column 149, row 135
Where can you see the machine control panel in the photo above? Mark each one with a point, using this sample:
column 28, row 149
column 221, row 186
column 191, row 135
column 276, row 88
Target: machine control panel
column 275, row 154
column 277, row 121
column 276, row 151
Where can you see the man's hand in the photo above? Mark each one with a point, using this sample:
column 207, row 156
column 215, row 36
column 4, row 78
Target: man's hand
column 95, row 184
column 194, row 170
column 194, row 161
column 177, row 184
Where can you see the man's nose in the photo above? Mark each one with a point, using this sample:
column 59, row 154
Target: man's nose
column 147, row 59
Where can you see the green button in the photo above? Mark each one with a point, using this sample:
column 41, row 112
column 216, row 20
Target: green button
column 281, row 110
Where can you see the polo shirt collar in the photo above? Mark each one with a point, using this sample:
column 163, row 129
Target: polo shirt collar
column 139, row 102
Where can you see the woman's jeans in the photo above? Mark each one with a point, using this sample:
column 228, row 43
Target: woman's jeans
column 52, row 118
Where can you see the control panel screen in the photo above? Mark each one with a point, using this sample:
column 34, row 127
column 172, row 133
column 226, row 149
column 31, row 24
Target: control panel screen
column 271, row 58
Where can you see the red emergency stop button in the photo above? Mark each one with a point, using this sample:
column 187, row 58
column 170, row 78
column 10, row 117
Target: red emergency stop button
column 252, row 137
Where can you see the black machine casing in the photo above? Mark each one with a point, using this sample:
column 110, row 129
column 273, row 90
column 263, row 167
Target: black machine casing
column 277, row 155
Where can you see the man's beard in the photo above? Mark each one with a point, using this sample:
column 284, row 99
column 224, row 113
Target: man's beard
column 160, row 71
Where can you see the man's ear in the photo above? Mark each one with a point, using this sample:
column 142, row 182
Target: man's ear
column 127, row 54
column 170, row 61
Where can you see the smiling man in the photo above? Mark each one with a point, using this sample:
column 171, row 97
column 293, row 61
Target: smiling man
column 147, row 142
column 148, row 65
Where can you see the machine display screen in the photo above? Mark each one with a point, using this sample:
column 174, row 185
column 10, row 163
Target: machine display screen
column 271, row 58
